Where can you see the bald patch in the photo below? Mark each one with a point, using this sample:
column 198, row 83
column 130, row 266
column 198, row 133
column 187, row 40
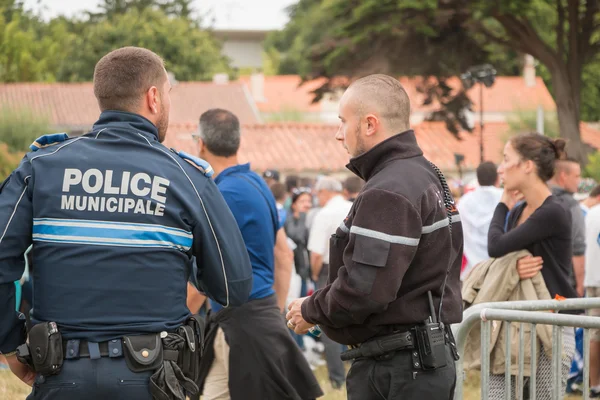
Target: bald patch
column 384, row 96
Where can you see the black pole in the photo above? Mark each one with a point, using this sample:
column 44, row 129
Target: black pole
column 481, row 119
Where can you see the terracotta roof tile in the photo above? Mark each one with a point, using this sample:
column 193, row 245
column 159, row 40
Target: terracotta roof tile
column 508, row 94
column 298, row 147
column 74, row 104
column 284, row 93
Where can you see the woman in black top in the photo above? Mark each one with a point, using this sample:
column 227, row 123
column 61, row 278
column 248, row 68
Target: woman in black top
column 296, row 229
column 538, row 224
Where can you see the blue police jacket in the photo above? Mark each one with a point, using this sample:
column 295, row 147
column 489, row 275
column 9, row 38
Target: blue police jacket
column 115, row 219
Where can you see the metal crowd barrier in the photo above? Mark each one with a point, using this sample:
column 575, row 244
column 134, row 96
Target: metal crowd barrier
column 524, row 312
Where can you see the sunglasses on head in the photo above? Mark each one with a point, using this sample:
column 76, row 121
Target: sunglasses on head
column 300, row 190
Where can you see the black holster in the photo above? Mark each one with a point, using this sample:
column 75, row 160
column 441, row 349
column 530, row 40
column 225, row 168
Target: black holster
column 191, row 354
column 178, row 373
column 45, row 349
column 383, row 346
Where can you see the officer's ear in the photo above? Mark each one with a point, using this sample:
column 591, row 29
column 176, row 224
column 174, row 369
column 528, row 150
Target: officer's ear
column 373, row 124
column 153, row 100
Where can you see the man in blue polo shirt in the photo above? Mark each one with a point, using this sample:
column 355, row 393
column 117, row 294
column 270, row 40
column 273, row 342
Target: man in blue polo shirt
column 266, row 362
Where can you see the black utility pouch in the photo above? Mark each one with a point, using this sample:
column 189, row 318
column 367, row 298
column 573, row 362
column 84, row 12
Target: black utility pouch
column 45, row 346
column 431, row 344
column 143, row 352
column 191, row 354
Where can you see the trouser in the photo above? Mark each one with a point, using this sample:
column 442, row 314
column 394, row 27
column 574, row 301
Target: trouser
column 216, row 385
column 333, row 350
column 397, row 378
column 87, row 379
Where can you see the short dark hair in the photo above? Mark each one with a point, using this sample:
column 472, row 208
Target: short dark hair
column 353, row 184
column 220, row 132
column 278, row 190
column 122, row 77
column 595, row 191
column 386, row 95
column 487, row 174
column 542, row 150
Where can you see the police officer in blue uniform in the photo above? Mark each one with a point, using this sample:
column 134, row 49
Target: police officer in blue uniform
column 115, row 219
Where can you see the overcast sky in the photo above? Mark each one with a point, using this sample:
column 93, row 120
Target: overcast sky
column 227, row 14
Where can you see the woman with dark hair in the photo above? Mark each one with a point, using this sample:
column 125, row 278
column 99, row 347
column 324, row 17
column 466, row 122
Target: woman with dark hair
column 540, row 225
column 297, row 231
column 295, row 228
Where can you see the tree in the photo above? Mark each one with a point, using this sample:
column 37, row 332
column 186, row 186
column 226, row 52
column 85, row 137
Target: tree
column 189, row 52
column 112, row 8
column 444, row 37
column 67, row 49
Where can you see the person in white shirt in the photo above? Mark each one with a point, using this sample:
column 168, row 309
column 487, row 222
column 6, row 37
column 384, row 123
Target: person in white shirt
column 334, row 209
column 592, row 200
column 592, row 283
column 476, row 209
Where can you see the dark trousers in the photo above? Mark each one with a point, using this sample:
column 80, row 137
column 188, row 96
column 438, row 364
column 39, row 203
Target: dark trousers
column 396, row 378
column 86, row 379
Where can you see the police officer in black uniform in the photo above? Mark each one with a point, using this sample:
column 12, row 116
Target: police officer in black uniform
column 115, row 219
column 393, row 286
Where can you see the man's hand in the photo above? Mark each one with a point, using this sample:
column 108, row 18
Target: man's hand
column 22, row 371
column 529, row 266
column 294, row 317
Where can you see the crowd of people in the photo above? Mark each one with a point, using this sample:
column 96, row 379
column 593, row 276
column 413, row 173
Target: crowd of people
column 365, row 267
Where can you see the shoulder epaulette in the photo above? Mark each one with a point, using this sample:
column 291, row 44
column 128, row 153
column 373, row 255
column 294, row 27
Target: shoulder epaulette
column 48, row 140
column 202, row 165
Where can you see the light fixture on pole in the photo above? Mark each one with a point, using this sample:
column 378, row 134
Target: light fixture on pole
column 484, row 75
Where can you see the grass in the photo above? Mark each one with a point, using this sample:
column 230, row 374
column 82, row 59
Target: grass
column 13, row 389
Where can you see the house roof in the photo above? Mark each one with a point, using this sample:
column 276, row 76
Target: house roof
column 298, row 147
column 74, row 105
column 508, row 94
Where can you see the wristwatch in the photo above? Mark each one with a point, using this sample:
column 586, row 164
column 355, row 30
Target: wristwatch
column 12, row 353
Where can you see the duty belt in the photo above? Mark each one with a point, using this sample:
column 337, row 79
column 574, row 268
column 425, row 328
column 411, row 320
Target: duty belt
column 75, row 348
column 380, row 346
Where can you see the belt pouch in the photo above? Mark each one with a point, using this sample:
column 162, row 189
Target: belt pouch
column 189, row 358
column 143, row 352
column 45, row 344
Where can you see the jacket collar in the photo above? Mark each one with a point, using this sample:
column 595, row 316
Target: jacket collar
column 402, row 145
column 122, row 119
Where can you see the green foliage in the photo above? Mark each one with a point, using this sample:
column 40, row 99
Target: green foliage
column 112, row 8
column 64, row 49
column 190, row 53
column 592, row 169
column 8, row 161
column 20, row 127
